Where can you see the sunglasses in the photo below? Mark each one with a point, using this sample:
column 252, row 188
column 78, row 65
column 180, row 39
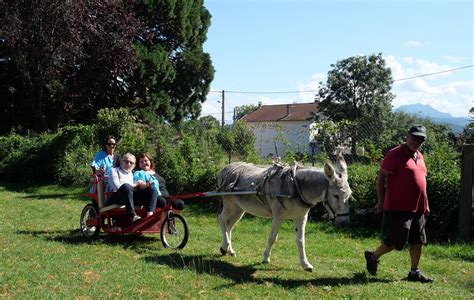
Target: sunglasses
column 418, row 138
column 111, row 144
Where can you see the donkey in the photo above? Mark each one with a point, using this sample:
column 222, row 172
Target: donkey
column 281, row 193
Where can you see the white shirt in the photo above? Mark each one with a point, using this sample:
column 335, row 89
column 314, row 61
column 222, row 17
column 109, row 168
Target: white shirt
column 117, row 177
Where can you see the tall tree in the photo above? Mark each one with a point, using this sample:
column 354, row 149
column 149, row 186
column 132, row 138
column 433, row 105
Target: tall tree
column 68, row 59
column 72, row 58
column 174, row 73
column 358, row 89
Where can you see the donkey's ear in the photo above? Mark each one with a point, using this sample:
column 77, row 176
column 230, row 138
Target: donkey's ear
column 341, row 165
column 329, row 171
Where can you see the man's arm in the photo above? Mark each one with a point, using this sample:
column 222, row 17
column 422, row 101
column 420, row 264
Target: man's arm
column 381, row 185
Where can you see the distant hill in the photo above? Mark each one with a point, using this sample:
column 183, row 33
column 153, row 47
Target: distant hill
column 457, row 124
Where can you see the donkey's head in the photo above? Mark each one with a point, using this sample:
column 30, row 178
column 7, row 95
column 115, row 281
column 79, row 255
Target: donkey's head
column 338, row 192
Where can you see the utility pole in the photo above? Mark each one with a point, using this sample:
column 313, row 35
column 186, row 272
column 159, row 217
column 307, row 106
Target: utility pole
column 222, row 102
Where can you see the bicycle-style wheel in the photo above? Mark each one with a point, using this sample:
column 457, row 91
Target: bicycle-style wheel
column 90, row 225
column 174, row 232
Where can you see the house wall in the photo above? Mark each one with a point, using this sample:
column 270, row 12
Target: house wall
column 276, row 138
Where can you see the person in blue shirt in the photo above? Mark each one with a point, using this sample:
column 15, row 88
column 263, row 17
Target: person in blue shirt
column 105, row 159
column 148, row 181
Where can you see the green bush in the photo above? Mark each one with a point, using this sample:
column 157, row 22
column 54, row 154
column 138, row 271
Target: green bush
column 73, row 164
column 443, row 187
column 362, row 180
column 189, row 160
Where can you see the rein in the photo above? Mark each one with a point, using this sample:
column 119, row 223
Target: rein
column 328, row 206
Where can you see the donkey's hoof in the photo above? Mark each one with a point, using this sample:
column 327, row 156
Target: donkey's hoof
column 309, row 270
column 233, row 254
column 223, row 252
column 264, row 262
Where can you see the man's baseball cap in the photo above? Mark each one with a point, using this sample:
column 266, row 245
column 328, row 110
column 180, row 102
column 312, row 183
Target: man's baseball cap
column 418, row 130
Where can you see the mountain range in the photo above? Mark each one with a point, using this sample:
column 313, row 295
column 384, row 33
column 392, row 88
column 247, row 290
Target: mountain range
column 457, row 124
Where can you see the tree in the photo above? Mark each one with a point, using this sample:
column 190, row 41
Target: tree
column 71, row 58
column 468, row 131
column 68, row 59
column 242, row 110
column 358, row 89
column 174, row 73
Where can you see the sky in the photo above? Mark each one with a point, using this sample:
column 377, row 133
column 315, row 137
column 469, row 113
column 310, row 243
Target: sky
column 259, row 47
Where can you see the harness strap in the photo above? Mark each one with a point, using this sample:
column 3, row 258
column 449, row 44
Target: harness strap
column 328, row 206
column 300, row 195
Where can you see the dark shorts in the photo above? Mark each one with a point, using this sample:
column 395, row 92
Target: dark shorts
column 402, row 227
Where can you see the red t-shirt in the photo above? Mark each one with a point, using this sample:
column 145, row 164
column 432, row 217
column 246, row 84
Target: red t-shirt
column 406, row 181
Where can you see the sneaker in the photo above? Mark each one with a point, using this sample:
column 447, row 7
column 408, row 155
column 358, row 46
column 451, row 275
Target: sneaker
column 371, row 262
column 136, row 218
column 418, row 277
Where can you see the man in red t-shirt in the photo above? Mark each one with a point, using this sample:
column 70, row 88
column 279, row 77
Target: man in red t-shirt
column 401, row 193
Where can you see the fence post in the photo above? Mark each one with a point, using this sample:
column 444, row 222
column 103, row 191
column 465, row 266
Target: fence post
column 467, row 192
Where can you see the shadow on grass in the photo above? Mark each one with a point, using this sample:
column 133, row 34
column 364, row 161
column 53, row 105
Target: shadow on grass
column 52, row 196
column 42, row 192
column 213, row 265
column 133, row 242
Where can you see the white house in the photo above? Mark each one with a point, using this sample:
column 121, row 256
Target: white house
column 281, row 128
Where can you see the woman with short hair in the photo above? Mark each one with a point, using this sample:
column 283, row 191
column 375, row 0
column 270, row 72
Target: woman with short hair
column 121, row 183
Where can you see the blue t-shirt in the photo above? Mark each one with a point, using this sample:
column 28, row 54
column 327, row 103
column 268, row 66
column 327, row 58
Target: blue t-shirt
column 145, row 176
column 102, row 159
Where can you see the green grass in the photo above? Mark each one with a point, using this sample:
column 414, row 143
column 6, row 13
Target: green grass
column 43, row 255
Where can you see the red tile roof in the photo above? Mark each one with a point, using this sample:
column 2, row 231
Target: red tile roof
column 283, row 112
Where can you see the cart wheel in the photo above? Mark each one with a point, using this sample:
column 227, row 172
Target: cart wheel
column 90, row 225
column 174, row 232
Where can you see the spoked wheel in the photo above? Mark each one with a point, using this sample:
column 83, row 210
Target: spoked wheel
column 174, row 231
column 90, row 225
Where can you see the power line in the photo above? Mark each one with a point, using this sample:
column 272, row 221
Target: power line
column 312, row 91
column 429, row 74
column 227, row 112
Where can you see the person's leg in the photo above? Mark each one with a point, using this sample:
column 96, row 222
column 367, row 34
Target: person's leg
column 415, row 254
column 416, row 240
column 382, row 249
column 125, row 196
column 395, row 237
column 151, row 200
column 160, row 201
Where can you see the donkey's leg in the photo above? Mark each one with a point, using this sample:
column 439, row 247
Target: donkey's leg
column 300, row 225
column 276, row 224
column 230, row 215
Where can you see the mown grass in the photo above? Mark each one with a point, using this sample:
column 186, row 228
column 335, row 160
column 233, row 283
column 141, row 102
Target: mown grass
column 43, row 255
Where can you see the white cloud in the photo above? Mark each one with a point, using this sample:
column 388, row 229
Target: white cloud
column 455, row 59
column 415, row 44
column 308, row 89
column 454, row 97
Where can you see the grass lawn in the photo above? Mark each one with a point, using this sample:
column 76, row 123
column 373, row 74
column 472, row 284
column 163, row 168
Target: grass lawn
column 43, row 255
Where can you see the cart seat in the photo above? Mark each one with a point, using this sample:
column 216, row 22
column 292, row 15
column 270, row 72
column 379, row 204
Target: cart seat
column 110, row 207
column 114, row 206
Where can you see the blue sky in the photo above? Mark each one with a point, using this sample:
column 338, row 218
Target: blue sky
column 283, row 45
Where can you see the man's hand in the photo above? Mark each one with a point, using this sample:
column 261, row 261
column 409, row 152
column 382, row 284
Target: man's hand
column 100, row 172
column 378, row 207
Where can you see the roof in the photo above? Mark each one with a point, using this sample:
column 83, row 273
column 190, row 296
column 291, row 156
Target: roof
column 283, row 112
